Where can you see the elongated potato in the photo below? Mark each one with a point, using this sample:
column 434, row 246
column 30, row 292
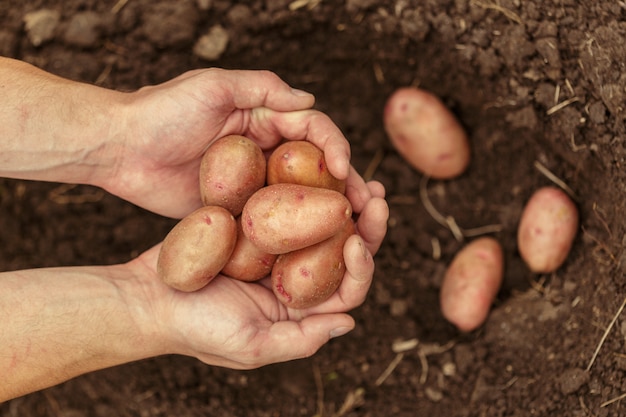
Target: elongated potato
column 281, row 218
column 471, row 283
column 426, row 133
column 547, row 229
column 248, row 262
column 309, row 276
column 197, row 248
column 232, row 169
column 301, row 162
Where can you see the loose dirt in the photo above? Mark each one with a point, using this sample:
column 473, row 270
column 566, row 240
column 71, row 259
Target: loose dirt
column 537, row 85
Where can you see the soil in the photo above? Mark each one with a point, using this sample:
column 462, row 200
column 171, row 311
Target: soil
column 534, row 83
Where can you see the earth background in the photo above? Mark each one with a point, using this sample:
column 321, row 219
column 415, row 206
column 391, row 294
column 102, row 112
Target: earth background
column 501, row 66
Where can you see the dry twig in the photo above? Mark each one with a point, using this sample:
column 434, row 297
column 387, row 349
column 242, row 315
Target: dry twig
column 448, row 221
column 390, row 368
column 373, row 165
column 118, row 6
column 561, row 105
column 611, row 401
column 606, row 333
column 548, row 174
column 59, row 196
column 508, row 13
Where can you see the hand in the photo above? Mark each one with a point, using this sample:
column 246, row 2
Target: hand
column 166, row 129
column 242, row 325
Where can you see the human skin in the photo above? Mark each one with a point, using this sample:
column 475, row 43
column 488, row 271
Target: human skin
column 146, row 147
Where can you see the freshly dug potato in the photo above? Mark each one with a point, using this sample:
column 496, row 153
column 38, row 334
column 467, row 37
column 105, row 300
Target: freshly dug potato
column 281, row 218
column 547, row 229
column 232, row 169
column 426, row 133
column 301, row 162
column 248, row 262
column 197, row 248
column 309, row 276
column 471, row 283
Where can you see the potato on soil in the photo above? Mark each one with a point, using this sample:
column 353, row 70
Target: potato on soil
column 248, row 262
column 197, row 248
column 301, row 162
column 309, row 276
column 426, row 133
column 232, row 169
column 281, row 218
column 471, row 283
column 547, row 229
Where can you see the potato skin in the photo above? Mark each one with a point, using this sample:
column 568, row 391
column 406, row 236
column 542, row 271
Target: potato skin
column 231, row 170
column 547, row 229
column 248, row 262
column 471, row 283
column 426, row 133
column 309, row 276
column 301, row 162
column 197, row 248
column 282, row 218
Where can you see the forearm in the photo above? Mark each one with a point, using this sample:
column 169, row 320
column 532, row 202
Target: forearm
column 54, row 129
column 58, row 323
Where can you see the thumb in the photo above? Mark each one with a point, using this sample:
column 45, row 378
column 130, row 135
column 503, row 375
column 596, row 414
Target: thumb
column 290, row 340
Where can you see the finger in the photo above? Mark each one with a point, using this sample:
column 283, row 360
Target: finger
column 251, row 89
column 357, row 191
column 377, row 189
column 267, row 125
column 372, row 223
column 356, row 281
column 289, row 340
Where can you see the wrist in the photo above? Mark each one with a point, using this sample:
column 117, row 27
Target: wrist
column 53, row 129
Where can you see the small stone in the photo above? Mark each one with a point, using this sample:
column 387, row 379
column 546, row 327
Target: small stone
column 204, row 4
column 398, row 308
column 572, row 380
column 40, row 25
column 171, row 24
column 212, row 45
column 433, row 395
column 83, row 30
column 356, row 5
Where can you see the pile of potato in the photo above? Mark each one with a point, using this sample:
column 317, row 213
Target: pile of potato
column 429, row 137
column 285, row 216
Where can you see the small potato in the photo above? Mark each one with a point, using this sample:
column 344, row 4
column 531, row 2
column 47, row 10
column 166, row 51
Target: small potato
column 471, row 283
column 309, row 276
column 232, row 169
column 281, row 218
column 547, row 229
column 301, row 162
column 248, row 262
column 197, row 248
column 426, row 133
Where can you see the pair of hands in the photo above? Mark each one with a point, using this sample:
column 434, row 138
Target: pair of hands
column 167, row 129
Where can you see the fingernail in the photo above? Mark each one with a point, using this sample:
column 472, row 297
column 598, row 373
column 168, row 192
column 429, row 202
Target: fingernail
column 300, row 93
column 339, row 331
column 364, row 250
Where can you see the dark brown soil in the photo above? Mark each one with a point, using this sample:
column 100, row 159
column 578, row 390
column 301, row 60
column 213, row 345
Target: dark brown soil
column 501, row 66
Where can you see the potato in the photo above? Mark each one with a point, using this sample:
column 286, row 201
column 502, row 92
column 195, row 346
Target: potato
column 301, row 162
column 309, row 276
column 547, row 229
column 426, row 134
column 471, row 283
column 248, row 262
column 281, row 218
column 197, row 248
column 232, row 169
